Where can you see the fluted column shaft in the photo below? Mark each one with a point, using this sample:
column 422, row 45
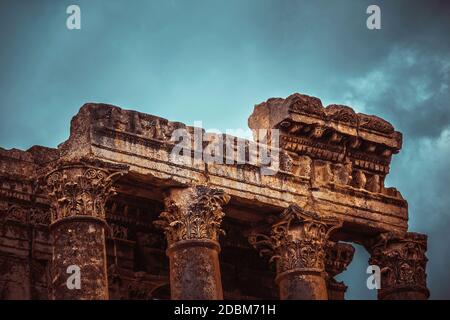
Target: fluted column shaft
column 402, row 262
column 297, row 244
column 191, row 222
column 77, row 194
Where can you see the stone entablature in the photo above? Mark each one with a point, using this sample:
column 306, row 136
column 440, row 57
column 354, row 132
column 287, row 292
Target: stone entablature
column 302, row 115
column 348, row 148
column 114, row 135
column 115, row 177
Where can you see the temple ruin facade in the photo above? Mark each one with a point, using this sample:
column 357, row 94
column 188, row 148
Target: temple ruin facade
column 112, row 202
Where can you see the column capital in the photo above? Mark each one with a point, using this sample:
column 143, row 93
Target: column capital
column 81, row 189
column 193, row 213
column 191, row 222
column 402, row 261
column 297, row 240
column 338, row 257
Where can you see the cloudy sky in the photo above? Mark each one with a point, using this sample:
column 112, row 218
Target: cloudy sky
column 213, row 60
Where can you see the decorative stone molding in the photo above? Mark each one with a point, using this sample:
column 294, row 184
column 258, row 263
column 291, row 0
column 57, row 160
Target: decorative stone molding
column 303, row 115
column 402, row 262
column 144, row 141
column 194, row 214
column 80, row 189
column 333, row 154
column 16, row 213
column 332, row 134
column 338, row 257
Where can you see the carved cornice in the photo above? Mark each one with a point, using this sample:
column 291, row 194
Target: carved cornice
column 333, row 133
column 80, row 189
column 297, row 240
column 16, row 187
column 402, row 262
column 342, row 114
column 10, row 211
column 374, row 123
column 196, row 215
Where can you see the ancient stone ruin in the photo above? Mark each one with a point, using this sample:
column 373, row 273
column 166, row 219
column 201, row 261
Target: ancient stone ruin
column 139, row 225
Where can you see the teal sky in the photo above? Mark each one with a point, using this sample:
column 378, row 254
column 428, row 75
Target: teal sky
column 212, row 60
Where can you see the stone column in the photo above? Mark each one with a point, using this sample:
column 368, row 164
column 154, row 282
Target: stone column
column 297, row 243
column 191, row 222
column 402, row 261
column 77, row 194
column 338, row 257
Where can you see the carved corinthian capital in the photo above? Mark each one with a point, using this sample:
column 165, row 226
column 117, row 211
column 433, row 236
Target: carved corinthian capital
column 193, row 213
column 338, row 257
column 402, row 262
column 297, row 241
column 79, row 190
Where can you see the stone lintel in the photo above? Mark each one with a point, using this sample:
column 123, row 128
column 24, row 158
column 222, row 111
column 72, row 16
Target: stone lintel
column 355, row 192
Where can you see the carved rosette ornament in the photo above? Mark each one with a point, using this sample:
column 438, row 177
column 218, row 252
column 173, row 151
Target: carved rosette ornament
column 191, row 222
column 402, row 262
column 78, row 193
column 297, row 244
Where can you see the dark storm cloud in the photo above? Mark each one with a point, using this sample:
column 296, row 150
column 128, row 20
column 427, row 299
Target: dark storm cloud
column 408, row 83
column 411, row 88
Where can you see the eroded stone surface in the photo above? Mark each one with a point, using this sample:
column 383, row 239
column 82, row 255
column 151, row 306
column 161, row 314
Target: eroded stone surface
column 331, row 157
column 403, row 263
column 192, row 224
column 298, row 243
column 338, row 256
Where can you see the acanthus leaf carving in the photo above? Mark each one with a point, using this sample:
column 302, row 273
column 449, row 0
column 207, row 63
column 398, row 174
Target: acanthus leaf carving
column 80, row 190
column 198, row 219
column 40, row 216
column 341, row 113
column 338, row 257
column 297, row 241
column 375, row 123
column 402, row 261
column 305, row 104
